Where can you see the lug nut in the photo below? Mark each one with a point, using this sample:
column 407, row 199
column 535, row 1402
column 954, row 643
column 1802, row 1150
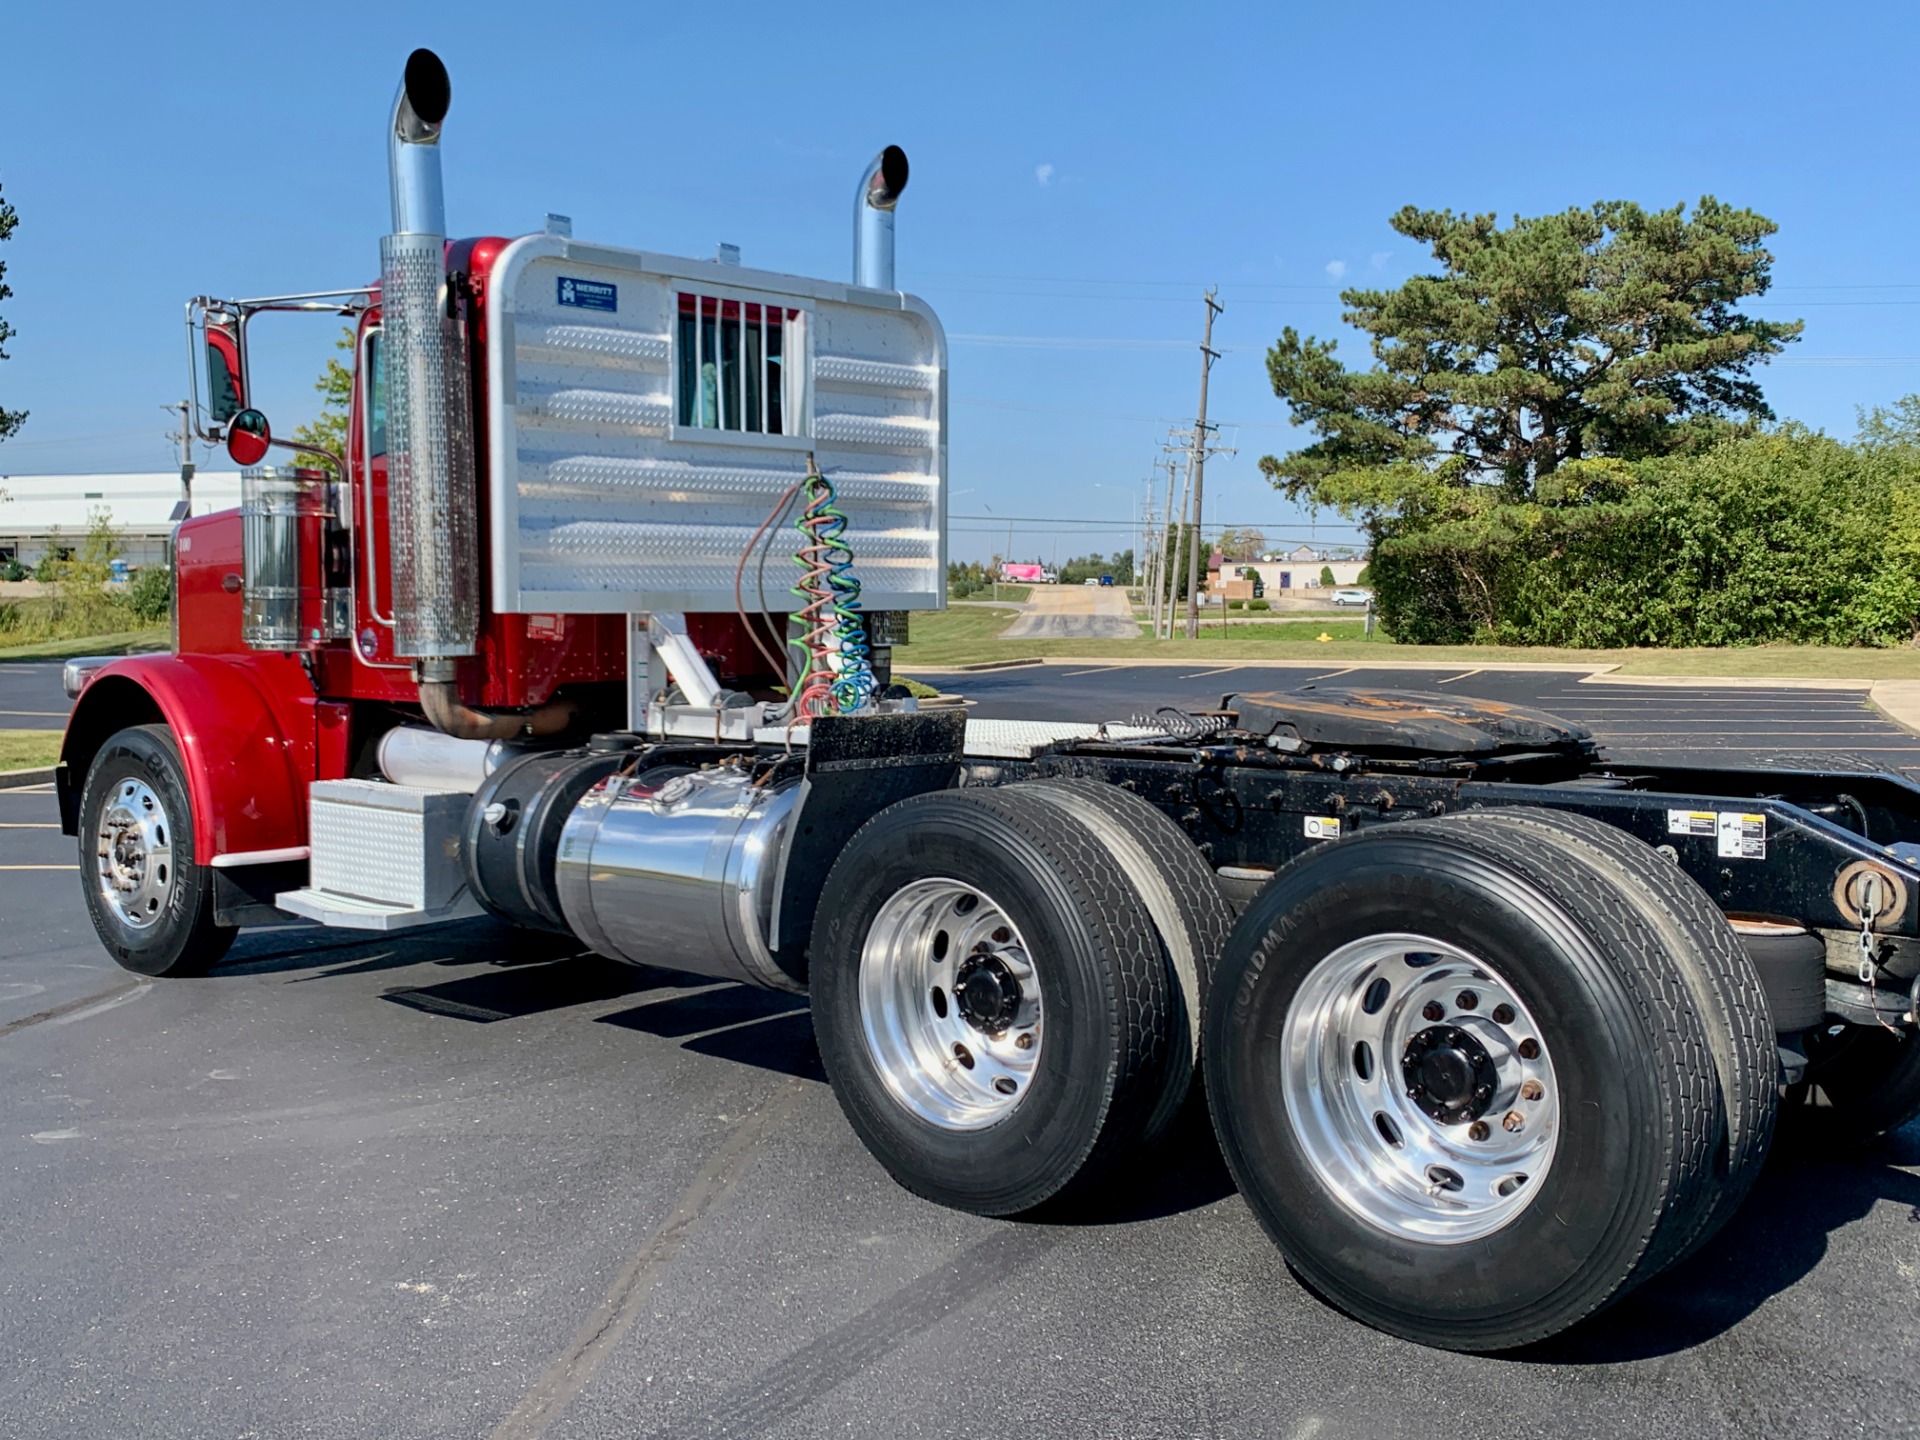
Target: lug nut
column 1024, row 1040
column 1532, row 1090
column 1434, row 1010
column 1529, row 1049
column 1478, row 1130
column 1467, row 1000
column 1513, row 1120
column 1503, row 1014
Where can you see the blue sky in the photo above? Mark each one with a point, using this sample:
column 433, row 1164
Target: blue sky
column 1079, row 175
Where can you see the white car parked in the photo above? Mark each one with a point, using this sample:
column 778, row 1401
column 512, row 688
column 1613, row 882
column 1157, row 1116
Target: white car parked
column 1353, row 597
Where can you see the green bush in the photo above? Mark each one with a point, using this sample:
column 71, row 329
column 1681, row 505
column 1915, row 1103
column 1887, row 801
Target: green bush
column 1259, row 604
column 1789, row 537
column 13, row 570
column 150, row 595
column 1326, row 577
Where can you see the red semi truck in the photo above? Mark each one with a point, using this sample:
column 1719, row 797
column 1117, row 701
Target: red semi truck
column 1491, row 1029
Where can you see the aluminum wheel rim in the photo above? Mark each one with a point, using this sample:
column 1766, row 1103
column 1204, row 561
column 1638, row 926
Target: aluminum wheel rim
column 1362, row 1037
column 932, row 940
column 134, row 851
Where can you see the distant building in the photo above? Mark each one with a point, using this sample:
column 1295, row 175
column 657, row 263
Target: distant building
column 42, row 513
column 1287, row 573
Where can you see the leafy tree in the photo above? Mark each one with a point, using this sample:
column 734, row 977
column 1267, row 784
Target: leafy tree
column 10, row 420
column 1082, row 568
column 1606, row 331
column 1242, row 542
column 1894, row 425
column 1326, row 576
column 329, row 431
column 78, row 601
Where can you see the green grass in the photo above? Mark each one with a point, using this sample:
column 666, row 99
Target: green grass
column 28, row 749
column 118, row 642
column 966, row 637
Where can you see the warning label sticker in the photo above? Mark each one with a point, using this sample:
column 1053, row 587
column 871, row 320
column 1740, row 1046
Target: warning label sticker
column 1742, row 837
column 1323, row 827
column 1692, row 822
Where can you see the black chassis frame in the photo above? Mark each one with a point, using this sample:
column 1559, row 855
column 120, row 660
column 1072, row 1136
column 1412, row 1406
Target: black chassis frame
column 1247, row 806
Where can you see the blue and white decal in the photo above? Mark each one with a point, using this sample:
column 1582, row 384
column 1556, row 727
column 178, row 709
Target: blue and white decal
column 588, row 294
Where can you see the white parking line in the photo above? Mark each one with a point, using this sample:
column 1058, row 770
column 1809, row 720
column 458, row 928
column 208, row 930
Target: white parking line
column 1224, row 669
column 1467, row 675
column 1097, row 670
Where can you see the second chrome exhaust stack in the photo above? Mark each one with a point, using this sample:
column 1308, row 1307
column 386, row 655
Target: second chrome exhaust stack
column 880, row 188
column 433, row 501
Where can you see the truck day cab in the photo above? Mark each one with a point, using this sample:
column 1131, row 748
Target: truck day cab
column 1490, row 1029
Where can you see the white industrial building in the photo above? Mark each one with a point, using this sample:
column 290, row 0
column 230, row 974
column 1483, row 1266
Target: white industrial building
column 41, row 513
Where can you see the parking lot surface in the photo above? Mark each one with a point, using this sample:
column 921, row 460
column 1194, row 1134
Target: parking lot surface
column 1664, row 722
column 474, row 1183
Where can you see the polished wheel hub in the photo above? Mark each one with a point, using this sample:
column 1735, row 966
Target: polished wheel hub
column 1449, row 1074
column 134, row 851
column 1420, row 1088
column 950, row 1004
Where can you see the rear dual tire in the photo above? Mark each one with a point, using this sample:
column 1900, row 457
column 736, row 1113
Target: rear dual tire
column 997, row 1003
column 1637, row 1015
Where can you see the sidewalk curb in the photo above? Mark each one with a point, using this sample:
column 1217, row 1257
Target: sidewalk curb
column 1898, row 700
column 20, row 779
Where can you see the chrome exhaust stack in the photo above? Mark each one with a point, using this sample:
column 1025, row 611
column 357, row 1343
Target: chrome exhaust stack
column 880, row 189
column 433, row 500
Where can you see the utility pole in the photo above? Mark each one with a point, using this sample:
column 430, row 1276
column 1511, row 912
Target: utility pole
column 185, row 507
column 1162, row 561
column 1183, row 533
column 1207, row 356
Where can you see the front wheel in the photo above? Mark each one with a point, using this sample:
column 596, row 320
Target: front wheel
column 150, row 903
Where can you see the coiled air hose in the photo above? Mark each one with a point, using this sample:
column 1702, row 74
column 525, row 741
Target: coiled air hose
column 836, row 677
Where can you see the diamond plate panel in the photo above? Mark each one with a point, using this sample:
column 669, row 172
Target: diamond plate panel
column 601, row 342
column 900, row 434
column 875, row 374
column 603, row 502
column 387, row 843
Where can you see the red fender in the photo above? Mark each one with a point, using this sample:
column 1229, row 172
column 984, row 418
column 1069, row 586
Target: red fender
column 246, row 736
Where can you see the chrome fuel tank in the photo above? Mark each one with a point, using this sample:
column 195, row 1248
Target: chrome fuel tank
column 679, row 871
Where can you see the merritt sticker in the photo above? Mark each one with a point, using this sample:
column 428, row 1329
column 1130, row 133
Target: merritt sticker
column 588, row 294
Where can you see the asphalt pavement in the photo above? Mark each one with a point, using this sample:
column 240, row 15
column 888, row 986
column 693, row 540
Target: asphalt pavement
column 1074, row 612
column 1646, row 720
column 31, row 697
column 474, row 1183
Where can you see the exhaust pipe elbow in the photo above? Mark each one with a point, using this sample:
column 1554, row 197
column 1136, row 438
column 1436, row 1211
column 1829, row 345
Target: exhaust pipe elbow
column 881, row 185
column 413, row 146
column 450, row 715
